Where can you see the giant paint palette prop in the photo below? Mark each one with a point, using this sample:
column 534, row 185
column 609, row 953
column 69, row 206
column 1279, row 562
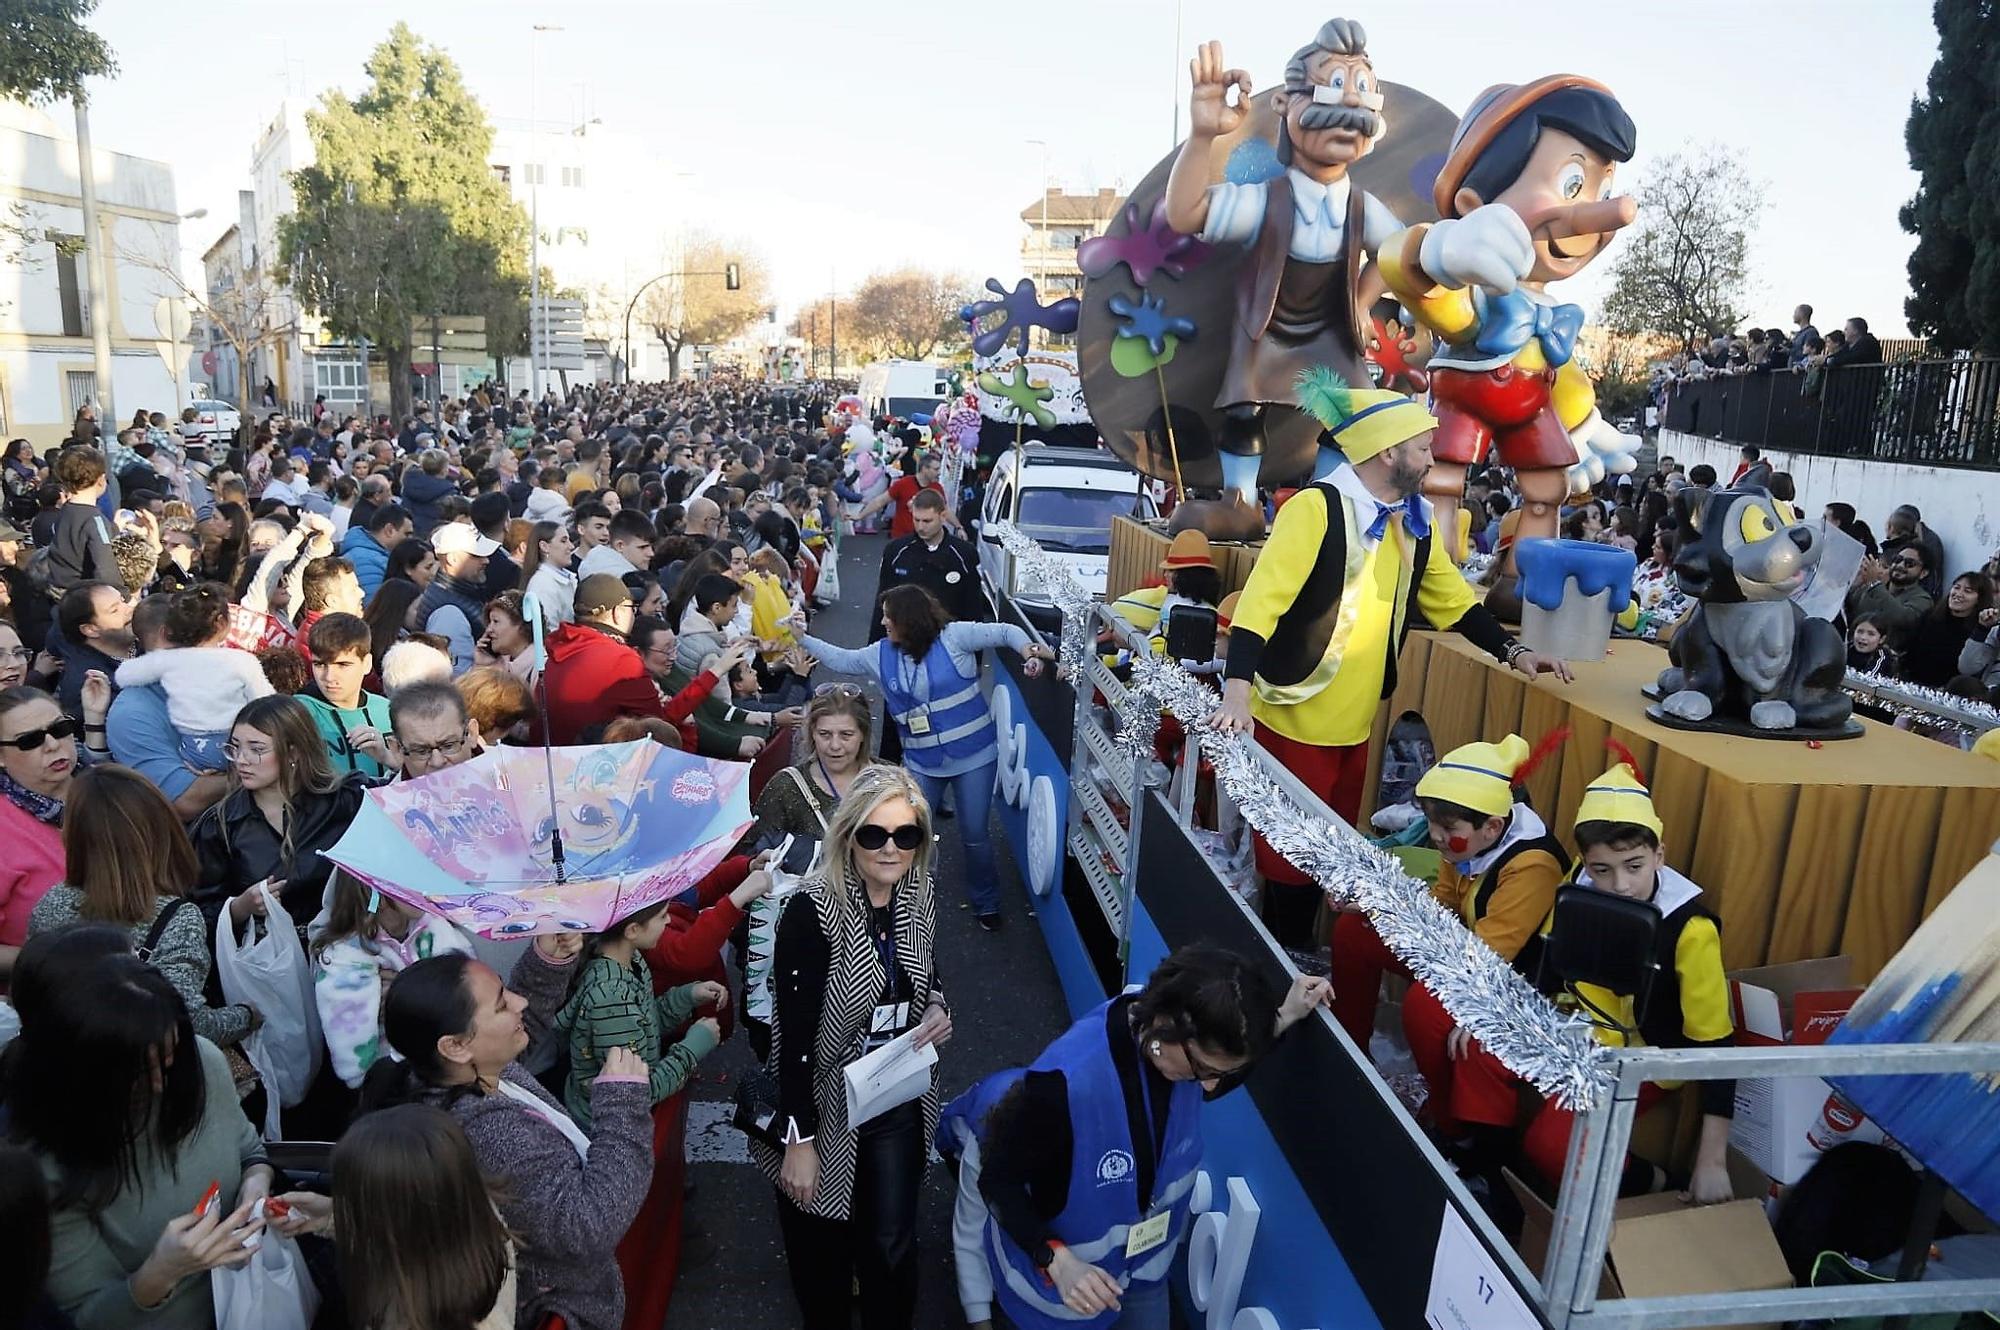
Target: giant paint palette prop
column 1140, row 257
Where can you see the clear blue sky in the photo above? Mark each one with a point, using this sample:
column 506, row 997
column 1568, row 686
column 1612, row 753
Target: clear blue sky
column 843, row 136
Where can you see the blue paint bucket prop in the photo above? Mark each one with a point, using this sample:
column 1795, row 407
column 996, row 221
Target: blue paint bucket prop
column 1571, row 593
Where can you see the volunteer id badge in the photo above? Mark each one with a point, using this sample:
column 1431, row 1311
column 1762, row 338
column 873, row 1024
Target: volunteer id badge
column 888, row 1020
column 920, row 722
column 1142, row 1237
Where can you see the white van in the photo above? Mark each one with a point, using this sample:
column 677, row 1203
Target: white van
column 1067, row 498
column 903, row 388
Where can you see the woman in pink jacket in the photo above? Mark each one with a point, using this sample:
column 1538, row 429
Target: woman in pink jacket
column 38, row 756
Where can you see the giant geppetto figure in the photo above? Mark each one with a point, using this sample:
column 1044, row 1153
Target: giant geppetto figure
column 1527, row 197
column 1300, row 300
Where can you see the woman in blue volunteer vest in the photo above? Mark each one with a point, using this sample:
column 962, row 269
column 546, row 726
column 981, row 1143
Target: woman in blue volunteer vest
column 1074, row 1173
column 928, row 668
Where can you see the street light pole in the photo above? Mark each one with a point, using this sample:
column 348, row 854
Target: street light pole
column 728, row 274
column 96, row 275
column 536, row 361
column 1042, row 257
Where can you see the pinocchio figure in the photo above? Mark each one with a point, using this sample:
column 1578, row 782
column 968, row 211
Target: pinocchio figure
column 1527, row 197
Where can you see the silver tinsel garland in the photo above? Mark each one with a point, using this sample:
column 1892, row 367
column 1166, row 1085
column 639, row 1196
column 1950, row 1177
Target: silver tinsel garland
column 1555, row 1053
column 1921, row 703
column 1079, row 613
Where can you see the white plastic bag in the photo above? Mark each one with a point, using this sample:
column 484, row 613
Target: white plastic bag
column 827, row 589
column 269, row 973
column 273, row 1291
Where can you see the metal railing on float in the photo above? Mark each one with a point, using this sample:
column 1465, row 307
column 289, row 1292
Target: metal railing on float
column 1555, row 1053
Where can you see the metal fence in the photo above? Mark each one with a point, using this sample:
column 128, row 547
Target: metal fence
column 1935, row 412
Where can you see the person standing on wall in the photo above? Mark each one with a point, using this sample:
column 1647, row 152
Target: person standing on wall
column 1067, row 1216
column 1314, row 641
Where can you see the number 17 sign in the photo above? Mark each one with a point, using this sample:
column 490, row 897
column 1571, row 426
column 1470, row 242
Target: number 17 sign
column 1468, row 1290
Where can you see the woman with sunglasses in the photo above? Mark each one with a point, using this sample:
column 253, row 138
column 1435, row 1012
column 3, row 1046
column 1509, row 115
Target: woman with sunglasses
column 928, row 668
column 1064, row 1212
column 799, row 800
column 855, row 969
column 38, row 760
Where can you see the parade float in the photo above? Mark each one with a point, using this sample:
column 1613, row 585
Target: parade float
column 1812, row 854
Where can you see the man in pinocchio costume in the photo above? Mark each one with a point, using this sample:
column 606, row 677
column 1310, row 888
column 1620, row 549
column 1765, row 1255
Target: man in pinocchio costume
column 1315, row 636
column 1527, row 198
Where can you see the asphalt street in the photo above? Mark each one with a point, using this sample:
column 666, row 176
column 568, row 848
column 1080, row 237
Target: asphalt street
column 1006, row 1005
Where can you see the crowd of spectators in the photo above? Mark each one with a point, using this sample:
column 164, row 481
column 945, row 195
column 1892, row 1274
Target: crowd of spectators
column 212, row 650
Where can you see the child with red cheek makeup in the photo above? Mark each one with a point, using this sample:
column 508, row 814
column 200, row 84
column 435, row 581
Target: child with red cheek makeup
column 1499, row 874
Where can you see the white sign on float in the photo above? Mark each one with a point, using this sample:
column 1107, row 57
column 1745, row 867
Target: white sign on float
column 1035, row 796
column 1468, row 1290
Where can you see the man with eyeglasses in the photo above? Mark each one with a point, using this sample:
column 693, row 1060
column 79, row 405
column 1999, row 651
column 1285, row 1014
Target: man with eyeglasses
column 1905, row 529
column 430, row 729
column 594, row 675
column 704, row 522
column 1890, row 590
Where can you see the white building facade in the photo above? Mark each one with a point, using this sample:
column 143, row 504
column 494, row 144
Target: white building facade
column 609, row 212
column 304, row 362
column 47, row 370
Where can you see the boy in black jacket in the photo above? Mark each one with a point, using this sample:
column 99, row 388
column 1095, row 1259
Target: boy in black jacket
column 81, row 548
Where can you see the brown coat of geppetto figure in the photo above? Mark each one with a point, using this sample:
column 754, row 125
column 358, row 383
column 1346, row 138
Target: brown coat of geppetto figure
column 1303, row 288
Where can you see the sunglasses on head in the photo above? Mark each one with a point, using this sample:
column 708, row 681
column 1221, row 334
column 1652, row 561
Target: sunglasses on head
column 870, row 836
column 29, row 740
column 838, row 690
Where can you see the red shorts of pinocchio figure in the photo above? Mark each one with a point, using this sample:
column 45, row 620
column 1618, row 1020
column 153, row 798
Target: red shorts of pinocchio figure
column 1527, row 197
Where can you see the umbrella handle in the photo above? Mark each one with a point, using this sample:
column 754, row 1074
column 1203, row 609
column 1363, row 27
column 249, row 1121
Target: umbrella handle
column 531, row 610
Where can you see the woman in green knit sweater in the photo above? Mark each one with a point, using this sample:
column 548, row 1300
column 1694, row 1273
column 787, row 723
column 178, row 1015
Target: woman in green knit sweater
column 154, row 1173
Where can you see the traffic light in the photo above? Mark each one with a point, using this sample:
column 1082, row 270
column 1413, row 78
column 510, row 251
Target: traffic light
column 732, row 277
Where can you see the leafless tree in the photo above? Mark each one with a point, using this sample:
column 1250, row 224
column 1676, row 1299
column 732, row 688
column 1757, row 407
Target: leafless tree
column 1683, row 269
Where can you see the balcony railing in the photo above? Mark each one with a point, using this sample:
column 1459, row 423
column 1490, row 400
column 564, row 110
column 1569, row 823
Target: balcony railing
column 1934, row 412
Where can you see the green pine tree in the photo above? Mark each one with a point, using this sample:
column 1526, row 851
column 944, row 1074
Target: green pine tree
column 400, row 218
column 1954, row 140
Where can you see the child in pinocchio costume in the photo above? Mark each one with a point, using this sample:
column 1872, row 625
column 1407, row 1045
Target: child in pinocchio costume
column 1526, row 198
column 1189, row 578
column 1314, row 640
column 1619, row 850
column 1500, row 869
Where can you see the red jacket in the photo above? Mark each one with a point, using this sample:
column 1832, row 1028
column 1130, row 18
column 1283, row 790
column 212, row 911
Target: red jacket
column 593, row 678
column 691, row 948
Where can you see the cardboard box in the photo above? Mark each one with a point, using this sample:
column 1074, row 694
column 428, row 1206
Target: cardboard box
column 1796, row 1003
column 1660, row 1247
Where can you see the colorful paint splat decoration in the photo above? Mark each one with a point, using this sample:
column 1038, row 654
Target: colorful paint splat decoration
column 1020, row 310
column 1024, row 397
column 1144, row 250
column 1149, row 320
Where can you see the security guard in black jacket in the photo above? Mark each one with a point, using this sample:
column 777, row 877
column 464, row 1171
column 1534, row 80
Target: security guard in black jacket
column 937, row 561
